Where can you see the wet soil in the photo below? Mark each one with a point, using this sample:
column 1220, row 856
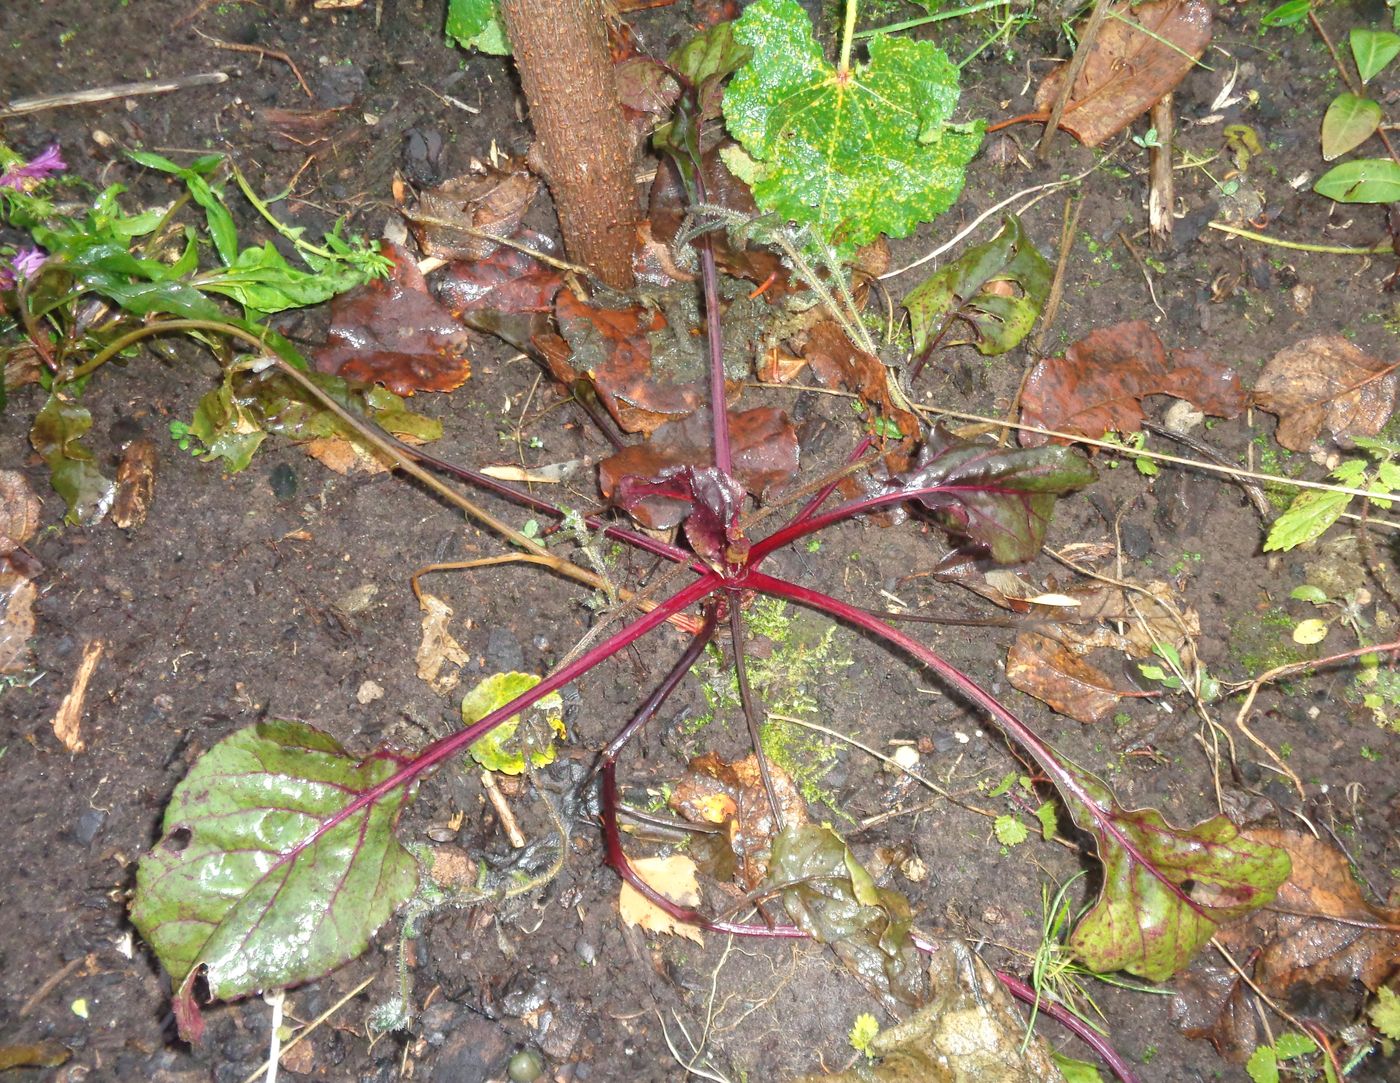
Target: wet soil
column 282, row 592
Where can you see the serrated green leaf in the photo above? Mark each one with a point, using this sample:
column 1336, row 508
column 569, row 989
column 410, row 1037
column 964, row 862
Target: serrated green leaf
column 1308, row 593
column 965, row 287
column 1049, row 819
column 56, row 435
column 1370, row 180
column 1009, row 830
column 476, row 24
column 275, row 864
column 1146, row 921
column 1291, row 1044
column 1076, row 1071
column 1373, row 50
column 1004, row 786
column 1306, row 519
column 1385, row 1013
column 500, row 750
column 1348, row 122
column 852, row 154
column 1388, row 475
column 1262, row 1065
column 1291, row 13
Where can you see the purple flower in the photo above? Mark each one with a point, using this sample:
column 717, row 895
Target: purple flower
column 25, row 263
column 45, row 165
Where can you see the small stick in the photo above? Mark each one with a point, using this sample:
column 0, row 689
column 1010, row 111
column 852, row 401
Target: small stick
column 503, row 812
column 311, row 1026
column 1076, row 65
column 21, row 106
column 50, row 984
column 261, row 51
column 1160, row 193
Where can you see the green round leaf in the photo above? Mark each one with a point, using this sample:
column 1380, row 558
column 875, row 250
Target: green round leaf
column 500, row 750
column 1349, row 122
column 1371, row 180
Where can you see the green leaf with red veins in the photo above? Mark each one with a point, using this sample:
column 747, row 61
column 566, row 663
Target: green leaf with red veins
column 1166, row 889
column 998, row 499
column 271, row 870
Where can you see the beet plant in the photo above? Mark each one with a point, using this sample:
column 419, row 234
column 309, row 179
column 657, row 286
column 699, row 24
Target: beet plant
column 279, row 859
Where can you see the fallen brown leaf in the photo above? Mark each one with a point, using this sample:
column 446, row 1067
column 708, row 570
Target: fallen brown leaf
column 1325, row 382
column 1140, row 54
column 1099, row 384
column 673, row 876
column 448, row 221
column 392, row 331
column 19, row 511
column 136, row 483
column 437, row 647
column 17, row 593
column 67, row 723
column 1045, row 668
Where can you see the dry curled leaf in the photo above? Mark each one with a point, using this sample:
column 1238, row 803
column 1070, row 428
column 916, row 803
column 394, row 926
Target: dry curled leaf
column 449, row 221
column 391, row 331
column 1045, row 668
column 1326, row 382
column 437, row 648
column 136, row 483
column 673, row 876
column 1099, row 384
column 1140, row 54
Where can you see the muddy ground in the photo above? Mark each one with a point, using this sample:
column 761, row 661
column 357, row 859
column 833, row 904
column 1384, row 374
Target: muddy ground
column 280, row 592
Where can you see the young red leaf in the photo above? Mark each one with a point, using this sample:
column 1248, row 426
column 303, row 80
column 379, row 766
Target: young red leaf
column 1166, row 889
column 257, row 880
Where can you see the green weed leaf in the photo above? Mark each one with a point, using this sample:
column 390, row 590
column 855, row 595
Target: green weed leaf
column 1076, row 1071
column 969, row 288
column 1009, row 830
column 1349, row 122
column 853, row 154
column 56, row 435
column 1385, row 1013
column 476, row 24
column 1146, row 921
column 1370, row 180
column 832, row 898
column 501, row 750
column 276, row 864
column 1306, row 519
column 1262, row 1065
column 1373, row 50
column 1291, row 13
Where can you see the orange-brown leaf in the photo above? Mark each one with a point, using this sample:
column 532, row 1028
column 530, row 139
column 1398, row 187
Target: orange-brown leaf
column 1325, row 382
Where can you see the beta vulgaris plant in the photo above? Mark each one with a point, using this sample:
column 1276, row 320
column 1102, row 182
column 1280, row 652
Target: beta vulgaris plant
column 279, row 860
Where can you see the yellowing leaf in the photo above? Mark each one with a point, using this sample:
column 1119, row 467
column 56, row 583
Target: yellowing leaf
column 674, row 877
column 1310, row 631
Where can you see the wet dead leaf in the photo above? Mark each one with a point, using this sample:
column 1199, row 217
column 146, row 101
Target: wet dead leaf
column 715, row 791
column 1099, row 384
column 19, row 512
column 345, row 458
column 392, row 331
column 1140, row 54
column 448, row 221
column 136, row 483
column 437, row 648
column 507, row 281
column 1326, row 382
column 764, row 446
column 1045, row 668
column 673, row 876
column 67, row 723
column 33, row 1055
column 836, row 362
column 17, row 593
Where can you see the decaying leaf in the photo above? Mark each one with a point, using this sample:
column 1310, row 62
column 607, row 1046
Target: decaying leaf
column 1098, row 385
column 392, row 331
column 19, row 511
column 673, row 876
column 997, row 288
column 17, row 594
column 714, row 791
column 507, row 281
column 1140, row 54
column 491, row 201
column 57, row 435
column 832, row 898
column 531, row 733
column 437, row 648
column 836, row 362
column 136, row 483
column 969, row 1032
column 763, row 443
column 1326, row 382
column 67, row 722
column 1045, row 668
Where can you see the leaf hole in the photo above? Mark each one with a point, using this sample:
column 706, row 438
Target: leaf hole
column 178, row 840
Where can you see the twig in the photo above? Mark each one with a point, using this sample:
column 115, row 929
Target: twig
column 50, row 984
column 260, row 51
column 498, row 802
column 311, row 1026
column 1161, row 196
column 1076, row 65
column 20, row 106
column 1377, row 249
column 1142, row 266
